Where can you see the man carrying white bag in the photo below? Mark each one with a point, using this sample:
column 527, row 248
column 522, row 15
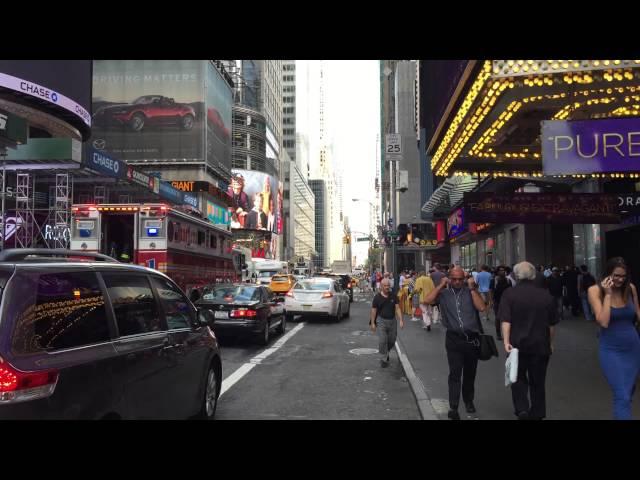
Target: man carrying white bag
column 527, row 315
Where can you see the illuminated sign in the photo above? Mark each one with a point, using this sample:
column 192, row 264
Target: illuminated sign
column 591, row 146
column 184, row 186
column 43, row 93
column 455, row 223
column 564, row 208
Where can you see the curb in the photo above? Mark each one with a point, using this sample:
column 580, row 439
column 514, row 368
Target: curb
column 427, row 412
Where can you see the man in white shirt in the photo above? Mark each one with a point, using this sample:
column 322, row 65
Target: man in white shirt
column 401, row 280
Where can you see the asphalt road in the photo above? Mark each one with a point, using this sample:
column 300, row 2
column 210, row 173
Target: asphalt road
column 310, row 373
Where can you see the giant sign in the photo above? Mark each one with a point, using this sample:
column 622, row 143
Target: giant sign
column 564, row 208
column 591, row 146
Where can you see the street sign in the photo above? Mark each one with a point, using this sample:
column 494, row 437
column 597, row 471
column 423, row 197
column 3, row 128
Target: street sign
column 394, row 234
column 393, row 146
column 363, row 239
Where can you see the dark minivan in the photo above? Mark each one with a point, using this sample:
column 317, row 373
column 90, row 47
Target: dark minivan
column 101, row 340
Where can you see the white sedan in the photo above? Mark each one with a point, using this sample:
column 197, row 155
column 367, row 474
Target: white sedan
column 317, row 297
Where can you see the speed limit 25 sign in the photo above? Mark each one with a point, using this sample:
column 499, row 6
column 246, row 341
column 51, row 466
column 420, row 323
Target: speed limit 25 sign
column 393, row 143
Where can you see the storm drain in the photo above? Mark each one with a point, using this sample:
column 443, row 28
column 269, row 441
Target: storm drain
column 364, row 351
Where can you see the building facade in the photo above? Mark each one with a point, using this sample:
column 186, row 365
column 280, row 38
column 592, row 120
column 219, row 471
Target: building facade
column 322, row 217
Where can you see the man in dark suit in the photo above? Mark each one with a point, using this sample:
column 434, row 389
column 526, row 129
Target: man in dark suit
column 257, row 219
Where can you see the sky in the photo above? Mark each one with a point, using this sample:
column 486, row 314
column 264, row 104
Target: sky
column 353, row 122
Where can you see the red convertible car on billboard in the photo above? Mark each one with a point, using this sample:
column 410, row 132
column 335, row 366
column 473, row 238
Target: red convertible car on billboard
column 148, row 110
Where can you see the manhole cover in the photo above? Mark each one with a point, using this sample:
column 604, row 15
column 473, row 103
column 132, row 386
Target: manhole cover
column 364, row 351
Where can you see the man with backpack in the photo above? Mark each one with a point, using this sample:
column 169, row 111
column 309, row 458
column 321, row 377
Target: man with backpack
column 585, row 280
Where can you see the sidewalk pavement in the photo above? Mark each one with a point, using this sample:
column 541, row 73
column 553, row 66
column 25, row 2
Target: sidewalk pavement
column 576, row 387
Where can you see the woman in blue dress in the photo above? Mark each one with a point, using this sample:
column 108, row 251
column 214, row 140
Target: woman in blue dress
column 615, row 305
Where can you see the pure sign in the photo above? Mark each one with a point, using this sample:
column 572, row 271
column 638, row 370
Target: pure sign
column 591, row 146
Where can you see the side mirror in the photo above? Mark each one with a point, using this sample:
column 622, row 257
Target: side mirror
column 205, row 317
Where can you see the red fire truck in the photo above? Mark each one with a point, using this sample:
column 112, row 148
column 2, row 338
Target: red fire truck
column 192, row 251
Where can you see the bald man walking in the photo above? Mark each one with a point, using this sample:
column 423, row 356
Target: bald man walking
column 459, row 307
column 384, row 312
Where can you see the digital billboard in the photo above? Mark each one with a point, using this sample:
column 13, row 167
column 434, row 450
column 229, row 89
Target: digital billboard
column 59, row 87
column 149, row 109
column 219, row 100
column 257, row 200
column 455, row 223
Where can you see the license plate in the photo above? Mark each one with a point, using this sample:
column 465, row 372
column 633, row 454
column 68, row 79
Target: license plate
column 221, row 314
column 307, row 307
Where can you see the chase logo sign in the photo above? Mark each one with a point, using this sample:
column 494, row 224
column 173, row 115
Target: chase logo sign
column 101, row 163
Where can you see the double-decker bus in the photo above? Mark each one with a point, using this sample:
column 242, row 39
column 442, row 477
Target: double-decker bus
column 190, row 250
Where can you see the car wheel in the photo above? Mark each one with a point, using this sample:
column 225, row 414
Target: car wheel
column 210, row 400
column 137, row 122
column 283, row 324
column 264, row 336
column 187, row 122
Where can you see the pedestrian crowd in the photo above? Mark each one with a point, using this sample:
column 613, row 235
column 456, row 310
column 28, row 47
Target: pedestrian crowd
column 527, row 303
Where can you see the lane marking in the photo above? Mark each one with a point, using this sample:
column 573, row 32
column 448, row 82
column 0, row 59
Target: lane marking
column 245, row 368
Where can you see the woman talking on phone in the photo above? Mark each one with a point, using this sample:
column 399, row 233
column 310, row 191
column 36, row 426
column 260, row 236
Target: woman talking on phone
column 615, row 305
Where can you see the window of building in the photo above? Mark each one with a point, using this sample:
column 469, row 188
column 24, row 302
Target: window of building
column 59, row 311
column 133, row 303
column 213, row 241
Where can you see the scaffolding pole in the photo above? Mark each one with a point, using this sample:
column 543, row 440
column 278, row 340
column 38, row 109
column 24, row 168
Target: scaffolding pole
column 62, row 213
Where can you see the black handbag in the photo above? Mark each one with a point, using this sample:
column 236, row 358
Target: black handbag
column 488, row 346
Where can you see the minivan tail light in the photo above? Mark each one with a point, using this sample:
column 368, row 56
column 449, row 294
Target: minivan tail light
column 327, row 295
column 17, row 386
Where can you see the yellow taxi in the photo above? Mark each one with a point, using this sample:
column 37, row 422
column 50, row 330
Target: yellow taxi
column 281, row 283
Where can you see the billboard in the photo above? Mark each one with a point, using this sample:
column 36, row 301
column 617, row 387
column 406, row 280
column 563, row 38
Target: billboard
column 610, row 145
column 217, row 214
column 455, row 223
column 59, row 87
column 149, row 109
column 219, row 100
column 537, row 208
column 257, row 201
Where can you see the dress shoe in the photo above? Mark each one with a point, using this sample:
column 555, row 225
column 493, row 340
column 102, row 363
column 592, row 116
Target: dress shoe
column 384, row 363
column 453, row 414
column 470, row 407
column 523, row 415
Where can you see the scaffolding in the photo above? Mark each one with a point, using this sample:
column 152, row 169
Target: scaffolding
column 62, row 213
column 24, row 210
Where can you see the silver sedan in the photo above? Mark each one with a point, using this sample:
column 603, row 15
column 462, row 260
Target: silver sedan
column 317, row 297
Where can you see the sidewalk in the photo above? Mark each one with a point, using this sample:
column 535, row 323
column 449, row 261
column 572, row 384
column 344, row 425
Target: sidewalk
column 576, row 388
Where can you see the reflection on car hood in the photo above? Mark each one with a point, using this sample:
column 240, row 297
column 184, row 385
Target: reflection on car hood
column 243, row 303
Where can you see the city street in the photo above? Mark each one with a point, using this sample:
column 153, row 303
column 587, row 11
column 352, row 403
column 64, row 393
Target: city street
column 314, row 375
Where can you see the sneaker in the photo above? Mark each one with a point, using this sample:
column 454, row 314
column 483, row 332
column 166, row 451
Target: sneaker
column 523, row 415
column 453, row 414
column 470, row 407
column 384, row 363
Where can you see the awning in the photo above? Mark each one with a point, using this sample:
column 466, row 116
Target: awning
column 448, row 194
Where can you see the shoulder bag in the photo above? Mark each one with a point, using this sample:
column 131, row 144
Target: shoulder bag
column 488, row 346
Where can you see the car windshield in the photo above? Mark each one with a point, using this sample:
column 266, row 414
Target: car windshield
column 233, row 293
column 145, row 99
column 312, row 286
column 267, row 273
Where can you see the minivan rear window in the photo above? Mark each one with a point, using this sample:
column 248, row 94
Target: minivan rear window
column 57, row 311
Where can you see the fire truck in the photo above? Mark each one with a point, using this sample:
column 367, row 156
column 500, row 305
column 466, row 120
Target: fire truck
column 190, row 250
